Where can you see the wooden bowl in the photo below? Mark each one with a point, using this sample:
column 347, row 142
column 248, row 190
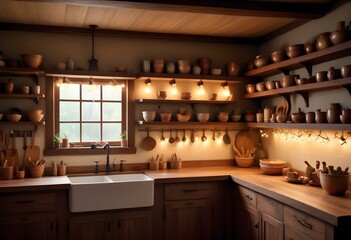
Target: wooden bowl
column 36, row 172
column 13, row 117
column 272, row 166
column 251, row 88
column 35, row 117
column 31, row 60
column 183, row 117
column 334, row 184
column 165, row 117
column 202, row 117
column 244, row 162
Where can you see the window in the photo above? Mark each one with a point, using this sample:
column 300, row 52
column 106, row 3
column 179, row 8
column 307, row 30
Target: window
column 90, row 113
column 89, row 110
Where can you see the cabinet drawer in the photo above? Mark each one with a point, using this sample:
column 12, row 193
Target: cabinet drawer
column 247, row 196
column 270, row 206
column 292, row 234
column 183, row 191
column 27, row 202
column 304, row 223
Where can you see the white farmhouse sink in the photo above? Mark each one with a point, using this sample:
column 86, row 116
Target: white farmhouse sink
column 96, row 193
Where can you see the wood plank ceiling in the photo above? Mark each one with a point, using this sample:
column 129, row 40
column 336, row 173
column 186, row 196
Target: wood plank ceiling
column 229, row 19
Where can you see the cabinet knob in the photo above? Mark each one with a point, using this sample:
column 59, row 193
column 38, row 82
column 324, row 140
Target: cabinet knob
column 248, row 197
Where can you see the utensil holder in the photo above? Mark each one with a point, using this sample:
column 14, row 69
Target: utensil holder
column 6, row 173
column 61, row 170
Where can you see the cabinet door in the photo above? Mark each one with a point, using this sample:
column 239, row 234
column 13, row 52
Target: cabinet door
column 29, row 226
column 188, row 220
column 271, row 228
column 134, row 225
column 91, row 227
column 246, row 222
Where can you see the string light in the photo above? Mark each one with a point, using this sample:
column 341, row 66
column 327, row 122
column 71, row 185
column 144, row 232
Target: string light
column 148, row 86
column 174, row 90
column 226, row 90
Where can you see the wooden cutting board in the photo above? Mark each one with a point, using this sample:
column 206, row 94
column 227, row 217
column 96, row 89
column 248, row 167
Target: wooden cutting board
column 13, row 152
column 244, row 140
column 33, row 151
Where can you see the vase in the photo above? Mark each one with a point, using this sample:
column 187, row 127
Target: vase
column 340, row 34
column 333, row 113
column 233, row 69
column 9, row 86
column 205, row 65
column 323, row 41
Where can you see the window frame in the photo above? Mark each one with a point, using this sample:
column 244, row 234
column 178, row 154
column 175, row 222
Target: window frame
column 52, row 116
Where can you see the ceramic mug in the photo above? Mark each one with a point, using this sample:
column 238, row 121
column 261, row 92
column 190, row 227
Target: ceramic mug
column 25, row 89
column 146, row 66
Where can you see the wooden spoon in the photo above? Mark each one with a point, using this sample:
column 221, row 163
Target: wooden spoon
column 192, row 136
column 177, row 139
column 214, row 135
column 162, row 136
column 203, row 138
column 226, row 137
column 184, row 138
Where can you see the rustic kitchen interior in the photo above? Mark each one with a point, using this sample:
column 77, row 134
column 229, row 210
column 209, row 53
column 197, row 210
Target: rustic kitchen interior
column 203, row 100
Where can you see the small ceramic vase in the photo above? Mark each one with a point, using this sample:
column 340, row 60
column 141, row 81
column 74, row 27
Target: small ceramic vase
column 340, row 34
column 9, row 86
column 333, row 113
column 323, row 41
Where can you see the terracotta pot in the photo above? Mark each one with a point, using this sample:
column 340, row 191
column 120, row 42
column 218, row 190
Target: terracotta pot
column 323, row 41
column 333, row 73
column 340, row 34
column 321, row 117
column 346, row 71
column 205, row 65
column 310, row 47
column 310, row 117
column 298, row 117
column 333, row 113
column 233, row 69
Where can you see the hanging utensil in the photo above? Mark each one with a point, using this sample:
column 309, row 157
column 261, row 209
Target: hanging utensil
column 192, row 136
column 177, row 139
column 93, row 62
column 24, row 140
column 184, row 138
column 226, row 137
column 171, row 138
column 148, row 143
column 162, row 136
column 203, row 138
column 214, row 135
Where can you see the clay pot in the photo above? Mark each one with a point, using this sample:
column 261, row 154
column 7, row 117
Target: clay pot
column 298, row 117
column 321, row 117
column 322, row 76
column 205, row 65
column 310, row 117
column 346, row 71
column 9, row 86
column 158, row 65
column 323, row 41
column 340, row 34
column 288, row 80
column 310, row 47
column 333, row 73
column 233, row 69
column 333, row 113
column 260, row 61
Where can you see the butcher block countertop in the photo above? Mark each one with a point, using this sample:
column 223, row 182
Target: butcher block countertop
column 309, row 199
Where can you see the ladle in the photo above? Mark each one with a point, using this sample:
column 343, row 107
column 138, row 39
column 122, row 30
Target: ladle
column 93, row 63
column 203, row 138
column 177, row 139
column 184, row 138
column 171, row 138
column 162, row 136
column 192, row 136
column 214, row 135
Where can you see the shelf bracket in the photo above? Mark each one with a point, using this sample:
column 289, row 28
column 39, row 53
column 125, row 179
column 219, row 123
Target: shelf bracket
column 283, row 71
column 305, row 96
column 308, row 67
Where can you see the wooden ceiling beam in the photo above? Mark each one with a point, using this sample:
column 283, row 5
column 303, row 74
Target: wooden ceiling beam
column 299, row 10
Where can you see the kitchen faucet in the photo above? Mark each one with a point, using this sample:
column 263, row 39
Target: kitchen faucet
column 106, row 146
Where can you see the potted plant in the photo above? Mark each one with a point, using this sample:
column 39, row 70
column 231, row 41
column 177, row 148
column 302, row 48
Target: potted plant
column 65, row 142
column 57, row 140
column 123, row 135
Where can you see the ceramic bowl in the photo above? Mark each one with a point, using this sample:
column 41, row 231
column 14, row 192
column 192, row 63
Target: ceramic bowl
column 13, row 117
column 183, row 117
column 202, row 117
column 345, row 119
column 278, row 56
column 346, row 71
column 184, row 69
column 288, row 80
column 185, row 96
column 244, row 162
column 149, row 116
column 260, row 61
column 36, row 172
column 165, row 117
column 301, row 81
column 322, row 76
column 269, row 84
column 216, row 71
column 250, row 117
column 35, row 117
column 334, row 184
column 31, row 60
column 272, row 166
column 235, row 117
column 222, row 117
column 260, row 87
column 281, row 118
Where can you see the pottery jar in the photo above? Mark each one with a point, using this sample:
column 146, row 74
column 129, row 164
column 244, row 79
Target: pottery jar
column 205, row 65
column 196, row 70
column 333, row 113
column 266, row 114
column 346, row 71
column 9, row 86
column 310, row 117
column 310, row 47
column 321, row 117
column 259, row 117
column 233, row 69
column 333, row 73
column 340, row 34
column 170, row 67
column 70, row 64
column 323, row 41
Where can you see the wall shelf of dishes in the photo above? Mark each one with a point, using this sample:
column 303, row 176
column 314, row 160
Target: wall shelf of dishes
column 307, row 61
column 310, row 126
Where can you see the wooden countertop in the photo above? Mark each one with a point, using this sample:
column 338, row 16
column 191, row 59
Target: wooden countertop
column 309, row 199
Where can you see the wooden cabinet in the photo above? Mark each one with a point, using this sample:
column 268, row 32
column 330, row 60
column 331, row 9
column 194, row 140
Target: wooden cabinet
column 132, row 224
column 195, row 211
column 32, row 216
column 257, row 216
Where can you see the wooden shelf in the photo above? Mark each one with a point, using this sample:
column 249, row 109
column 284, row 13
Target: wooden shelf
column 189, row 125
column 23, row 72
column 2, row 123
column 142, row 100
column 178, row 76
column 307, row 60
column 311, row 126
column 89, row 74
column 21, row 95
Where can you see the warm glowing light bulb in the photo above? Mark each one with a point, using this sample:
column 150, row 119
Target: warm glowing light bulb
column 147, row 89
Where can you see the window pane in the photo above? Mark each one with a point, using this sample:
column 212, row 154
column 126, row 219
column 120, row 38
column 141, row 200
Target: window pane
column 69, row 111
column 91, row 111
column 112, row 93
column 71, row 130
column 111, row 131
column 111, row 111
column 69, row 91
column 90, row 92
column 91, row 132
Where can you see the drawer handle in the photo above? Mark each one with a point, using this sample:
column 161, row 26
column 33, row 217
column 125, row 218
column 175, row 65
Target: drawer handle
column 24, row 202
column 248, row 197
column 305, row 224
column 189, row 190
